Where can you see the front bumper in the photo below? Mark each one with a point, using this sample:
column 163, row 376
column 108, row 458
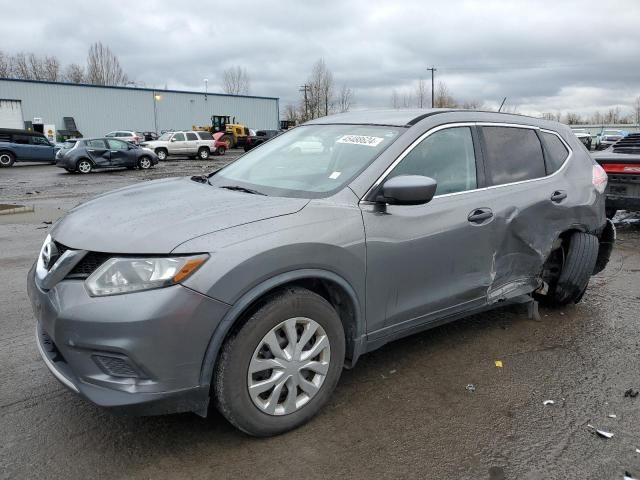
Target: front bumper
column 154, row 344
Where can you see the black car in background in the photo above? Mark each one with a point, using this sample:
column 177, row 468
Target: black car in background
column 261, row 136
column 622, row 164
column 24, row 146
column 88, row 153
column 150, row 136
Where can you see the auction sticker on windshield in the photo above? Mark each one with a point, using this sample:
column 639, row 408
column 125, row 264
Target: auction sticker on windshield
column 360, row 140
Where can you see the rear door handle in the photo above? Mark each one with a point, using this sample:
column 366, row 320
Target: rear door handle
column 558, row 196
column 480, row 215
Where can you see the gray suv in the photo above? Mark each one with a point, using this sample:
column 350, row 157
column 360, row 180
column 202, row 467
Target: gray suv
column 254, row 286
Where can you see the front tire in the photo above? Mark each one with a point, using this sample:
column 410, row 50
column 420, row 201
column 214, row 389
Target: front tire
column 144, row 163
column 7, row 159
column 162, row 154
column 221, row 150
column 84, row 166
column 277, row 371
column 203, row 153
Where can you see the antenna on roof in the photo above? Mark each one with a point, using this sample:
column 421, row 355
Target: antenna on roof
column 502, row 104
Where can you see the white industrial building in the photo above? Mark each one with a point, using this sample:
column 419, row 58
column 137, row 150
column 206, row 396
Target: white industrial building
column 98, row 110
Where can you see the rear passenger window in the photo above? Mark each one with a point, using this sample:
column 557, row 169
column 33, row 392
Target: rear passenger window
column 205, row 136
column 191, row 136
column 555, row 153
column 512, row 154
column 447, row 156
column 97, row 144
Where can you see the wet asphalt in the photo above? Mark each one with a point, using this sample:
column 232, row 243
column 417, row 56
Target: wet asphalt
column 403, row 412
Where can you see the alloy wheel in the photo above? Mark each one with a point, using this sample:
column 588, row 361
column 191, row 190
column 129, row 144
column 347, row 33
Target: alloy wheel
column 84, row 166
column 145, row 163
column 289, row 366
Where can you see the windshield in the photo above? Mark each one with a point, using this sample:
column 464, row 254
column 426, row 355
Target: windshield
column 165, row 136
column 308, row 161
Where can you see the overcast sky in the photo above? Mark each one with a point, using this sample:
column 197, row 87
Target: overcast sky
column 544, row 56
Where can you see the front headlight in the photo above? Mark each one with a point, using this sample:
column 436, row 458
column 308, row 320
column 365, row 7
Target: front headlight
column 125, row 275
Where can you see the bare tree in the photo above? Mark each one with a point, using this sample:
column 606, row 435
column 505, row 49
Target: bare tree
column 319, row 92
column 20, row 67
column 346, row 99
column 443, row 98
column 51, row 69
column 573, row 118
column 74, row 73
column 421, row 93
column 395, row 100
column 291, row 113
column 612, row 116
column 103, row 67
column 5, row 65
column 407, row 100
column 235, row 81
column 472, row 105
column 636, row 110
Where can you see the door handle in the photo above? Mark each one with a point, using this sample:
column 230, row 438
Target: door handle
column 558, row 196
column 479, row 215
column 90, row 150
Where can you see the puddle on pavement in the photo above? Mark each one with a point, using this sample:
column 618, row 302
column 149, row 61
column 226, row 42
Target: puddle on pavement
column 11, row 214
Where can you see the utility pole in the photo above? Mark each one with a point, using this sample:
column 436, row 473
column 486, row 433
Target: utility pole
column 206, row 83
column 433, row 70
column 305, row 88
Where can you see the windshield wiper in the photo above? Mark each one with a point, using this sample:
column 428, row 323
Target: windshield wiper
column 238, row 188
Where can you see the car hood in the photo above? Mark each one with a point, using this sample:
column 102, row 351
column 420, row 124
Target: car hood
column 157, row 216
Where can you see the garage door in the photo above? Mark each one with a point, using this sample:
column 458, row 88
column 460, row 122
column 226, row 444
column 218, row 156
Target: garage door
column 11, row 114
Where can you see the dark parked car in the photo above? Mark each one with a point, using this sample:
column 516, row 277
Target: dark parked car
column 89, row 153
column 150, row 136
column 256, row 284
column 24, row 146
column 261, row 136
column 622, row 164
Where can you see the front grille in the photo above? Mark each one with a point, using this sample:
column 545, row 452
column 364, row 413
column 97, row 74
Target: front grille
column 115, row 366
column 88, row 265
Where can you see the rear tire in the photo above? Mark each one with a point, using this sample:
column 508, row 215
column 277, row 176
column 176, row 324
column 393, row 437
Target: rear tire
column 84, row 166
column 7, row 159
column 578, row 266
column 221, row 150
column 289, row 401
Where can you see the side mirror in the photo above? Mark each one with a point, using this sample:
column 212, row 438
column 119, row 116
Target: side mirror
column 173, row 140
column 408, row 190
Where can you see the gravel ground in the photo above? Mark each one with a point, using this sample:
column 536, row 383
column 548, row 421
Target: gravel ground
column 403, row 412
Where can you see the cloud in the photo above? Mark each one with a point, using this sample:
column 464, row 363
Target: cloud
column 542, row 55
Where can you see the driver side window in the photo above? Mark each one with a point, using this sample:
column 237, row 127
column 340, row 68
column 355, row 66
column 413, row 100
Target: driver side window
column 178, row 137
column 447, row 156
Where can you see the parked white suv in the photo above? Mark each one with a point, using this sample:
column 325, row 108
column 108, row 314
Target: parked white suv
column 190, row 144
